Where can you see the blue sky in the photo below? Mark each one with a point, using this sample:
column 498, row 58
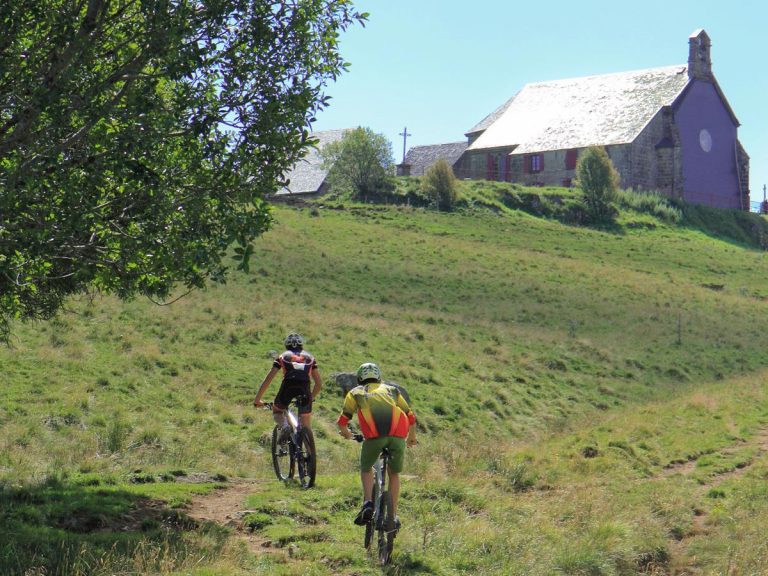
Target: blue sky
column 440, row 66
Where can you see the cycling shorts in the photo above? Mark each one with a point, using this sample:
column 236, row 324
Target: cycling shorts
column 373, row 447
column 290, row 390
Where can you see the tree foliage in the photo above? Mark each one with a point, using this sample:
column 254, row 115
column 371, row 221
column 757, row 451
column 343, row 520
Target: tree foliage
column 599, row 182
column 440, row 186
column 360, row 163
column 138, row 137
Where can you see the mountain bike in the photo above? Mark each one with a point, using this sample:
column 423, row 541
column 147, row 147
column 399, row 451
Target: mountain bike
column 383, row 520
column 293, row 451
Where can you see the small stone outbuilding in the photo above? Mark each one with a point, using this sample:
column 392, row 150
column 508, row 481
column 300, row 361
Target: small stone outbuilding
column 308, row 176
column 420, row 158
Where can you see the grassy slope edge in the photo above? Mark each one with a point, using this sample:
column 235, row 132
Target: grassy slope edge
column 562, row 376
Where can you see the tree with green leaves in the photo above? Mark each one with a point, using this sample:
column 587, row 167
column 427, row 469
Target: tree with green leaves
column 599, row 181
column 360, row 163
column 440, row 186
column 139, row 138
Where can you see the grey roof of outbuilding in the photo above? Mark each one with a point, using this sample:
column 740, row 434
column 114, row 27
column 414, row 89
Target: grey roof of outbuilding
column 308, row 174
column 422, row 157
column 580, row 112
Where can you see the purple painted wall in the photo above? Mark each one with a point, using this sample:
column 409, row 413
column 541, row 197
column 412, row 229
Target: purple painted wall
column 708, row 141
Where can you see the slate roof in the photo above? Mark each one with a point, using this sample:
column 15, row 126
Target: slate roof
column 491, row 118
column 580, row 112
column 308, row 174
column 422, row 157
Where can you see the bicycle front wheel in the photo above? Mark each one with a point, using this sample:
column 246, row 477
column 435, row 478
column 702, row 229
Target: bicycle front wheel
column 282, row 456
column 386, row 528
column 307, row 458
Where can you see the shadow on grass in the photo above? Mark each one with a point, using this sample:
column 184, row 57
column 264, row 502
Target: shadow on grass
column 738, row 227
column 408, row 563
column 68, row 529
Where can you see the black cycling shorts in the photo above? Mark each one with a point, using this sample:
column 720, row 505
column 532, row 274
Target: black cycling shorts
column 290, row 390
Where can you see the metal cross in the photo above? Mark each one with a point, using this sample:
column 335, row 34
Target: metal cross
column 405, row 135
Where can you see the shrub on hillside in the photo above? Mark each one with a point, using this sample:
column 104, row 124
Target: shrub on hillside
column 652, row 203
column 408, row 190
column 599, row 182
column 440, row 186
column 360, row 164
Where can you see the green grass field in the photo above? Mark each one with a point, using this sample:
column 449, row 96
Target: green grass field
column 590, row 402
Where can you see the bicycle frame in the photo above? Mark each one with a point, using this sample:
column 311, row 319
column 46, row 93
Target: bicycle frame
column 289, row 413
column 294, row 422
column 300, row 450
column 382, row 521
column 380, row 484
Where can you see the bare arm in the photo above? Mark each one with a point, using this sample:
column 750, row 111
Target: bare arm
column 344, row 431
column 345, row 416
column 264, row 385
column 411, row 440
column 403, row 405
column 318, row 383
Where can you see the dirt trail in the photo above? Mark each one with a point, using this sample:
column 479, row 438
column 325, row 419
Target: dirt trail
column 681, row 564
column 226, row 506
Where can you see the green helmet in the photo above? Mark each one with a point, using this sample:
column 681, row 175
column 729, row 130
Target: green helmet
column 368, row 371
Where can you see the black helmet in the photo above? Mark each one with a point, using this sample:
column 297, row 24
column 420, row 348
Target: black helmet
column 294, row 341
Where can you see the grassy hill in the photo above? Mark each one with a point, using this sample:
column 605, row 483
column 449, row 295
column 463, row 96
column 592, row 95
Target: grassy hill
column 589, row 401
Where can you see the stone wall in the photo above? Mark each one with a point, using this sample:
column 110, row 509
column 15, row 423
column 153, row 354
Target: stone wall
column 655, row 162
column 742, row 163
column 651, row 163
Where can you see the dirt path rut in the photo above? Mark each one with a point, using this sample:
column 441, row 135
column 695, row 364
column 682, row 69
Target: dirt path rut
column 226, row 506
column 681, row 563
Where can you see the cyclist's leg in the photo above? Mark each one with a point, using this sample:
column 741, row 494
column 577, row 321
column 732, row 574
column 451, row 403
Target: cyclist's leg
column 282, row 399
column 278, row 416
column 366, row 478
column 369, row 453
column 394, row 490
column 396, row 461
column 304, row 404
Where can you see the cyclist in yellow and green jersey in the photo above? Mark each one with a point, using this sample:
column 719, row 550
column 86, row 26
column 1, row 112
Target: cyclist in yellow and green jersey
column 386, row 421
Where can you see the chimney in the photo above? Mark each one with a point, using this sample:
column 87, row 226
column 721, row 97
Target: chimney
column 699, row 60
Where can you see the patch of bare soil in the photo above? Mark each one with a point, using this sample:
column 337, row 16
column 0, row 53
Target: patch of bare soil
column 226, row 506
column 683, row 468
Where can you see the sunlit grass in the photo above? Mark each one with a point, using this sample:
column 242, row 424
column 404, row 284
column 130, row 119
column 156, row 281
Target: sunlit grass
column 560, row 375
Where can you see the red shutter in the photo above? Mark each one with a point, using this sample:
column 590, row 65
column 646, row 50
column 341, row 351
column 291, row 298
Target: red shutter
column 526, row 164
column 541, row 162
column 489, row 167
column 570, row 159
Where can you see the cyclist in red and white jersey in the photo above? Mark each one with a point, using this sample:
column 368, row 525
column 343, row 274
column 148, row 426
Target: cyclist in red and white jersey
column 299, row 367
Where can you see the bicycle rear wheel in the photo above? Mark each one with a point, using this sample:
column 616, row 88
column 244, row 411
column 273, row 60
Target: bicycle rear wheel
column 307, row 459
column 386, row 528
column 282, row 456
